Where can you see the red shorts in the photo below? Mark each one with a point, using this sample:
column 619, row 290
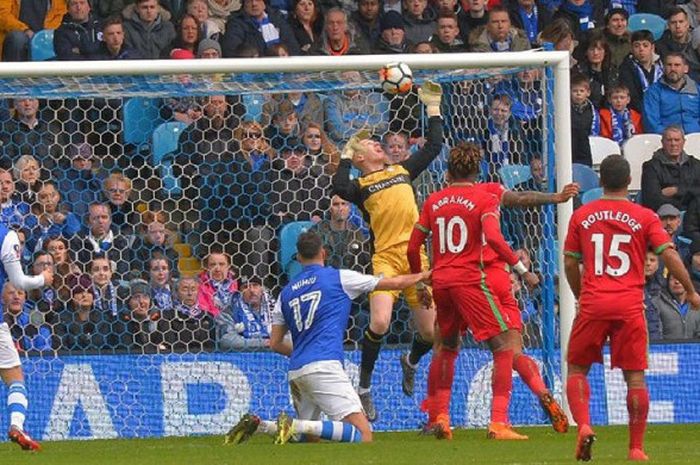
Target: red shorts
column 628, row 342
column 487, row 308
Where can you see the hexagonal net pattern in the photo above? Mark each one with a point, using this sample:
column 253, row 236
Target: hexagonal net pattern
column 169, row 207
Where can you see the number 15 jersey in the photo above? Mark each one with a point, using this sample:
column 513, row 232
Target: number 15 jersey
column 611, row 237
column 453, row 217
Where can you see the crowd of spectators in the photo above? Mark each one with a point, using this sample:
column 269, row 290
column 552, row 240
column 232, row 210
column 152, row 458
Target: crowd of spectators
column 72, row 189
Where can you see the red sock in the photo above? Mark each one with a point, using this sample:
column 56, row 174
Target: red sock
column 578, row 393
column 530, row 374
column 440, row 378
column 638, row 408
column 502, row 385
column 446, row 374
column 428, row 404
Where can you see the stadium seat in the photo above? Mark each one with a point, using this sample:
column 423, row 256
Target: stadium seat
column 591, row 195
column 601, row 147
column 41, row 46
column 165, row 141
column 288, row 246
column 638, row 149
column 585, row 177
column 512, row 175
column 253, row 106
column 692, row 144
column 654, row 23
column 141, row 117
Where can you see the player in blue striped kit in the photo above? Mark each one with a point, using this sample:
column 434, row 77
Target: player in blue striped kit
column 10, row 365
column 314, row 307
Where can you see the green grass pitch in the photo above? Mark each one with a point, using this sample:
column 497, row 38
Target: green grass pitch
column 666, row 445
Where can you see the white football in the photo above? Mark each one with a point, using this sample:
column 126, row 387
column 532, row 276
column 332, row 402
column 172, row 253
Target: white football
column 396, row 78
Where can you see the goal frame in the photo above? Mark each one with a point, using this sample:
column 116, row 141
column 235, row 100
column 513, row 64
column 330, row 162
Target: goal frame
column 557, row 61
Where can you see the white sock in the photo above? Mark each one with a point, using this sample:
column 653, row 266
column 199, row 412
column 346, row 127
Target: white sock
column 311, row 427
column 267, row 427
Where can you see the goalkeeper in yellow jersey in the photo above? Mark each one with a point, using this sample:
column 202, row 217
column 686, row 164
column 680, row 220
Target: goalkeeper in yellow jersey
column 386, row 198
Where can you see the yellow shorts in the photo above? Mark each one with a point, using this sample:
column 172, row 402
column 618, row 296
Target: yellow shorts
column 393, row 262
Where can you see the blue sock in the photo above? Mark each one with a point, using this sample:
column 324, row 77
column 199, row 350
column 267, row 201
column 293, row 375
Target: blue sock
column 336, row 431
column 340, row 432
column 17, row 404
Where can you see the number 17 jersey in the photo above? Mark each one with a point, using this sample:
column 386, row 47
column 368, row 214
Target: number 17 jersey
column 315, row 307
column 453, row 217
column 610, row 237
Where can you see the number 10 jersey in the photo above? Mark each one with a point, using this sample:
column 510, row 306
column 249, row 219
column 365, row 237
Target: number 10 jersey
column 453, row 217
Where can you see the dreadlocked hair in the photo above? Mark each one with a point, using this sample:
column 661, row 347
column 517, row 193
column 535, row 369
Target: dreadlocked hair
column 464, row 161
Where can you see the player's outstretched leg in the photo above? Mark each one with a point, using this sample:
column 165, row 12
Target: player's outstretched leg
column 336, row 431
column 17, row 406
column 371, row 345
column 409, row 363
column 578, row 393
column 530, row 374
column 638, row 409
column 381, row 306
column 421, row 345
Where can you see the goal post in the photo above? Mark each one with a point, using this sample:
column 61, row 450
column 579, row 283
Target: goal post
column 176, row 387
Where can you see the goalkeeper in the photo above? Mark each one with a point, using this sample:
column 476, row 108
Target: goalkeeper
column 386, row 198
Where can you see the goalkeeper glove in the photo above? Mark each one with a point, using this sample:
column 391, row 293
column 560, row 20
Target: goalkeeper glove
column 354, row 144
column 430, row 93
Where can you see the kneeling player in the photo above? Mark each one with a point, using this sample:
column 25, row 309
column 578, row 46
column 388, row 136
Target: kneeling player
column 314, row 307
column 610, row 237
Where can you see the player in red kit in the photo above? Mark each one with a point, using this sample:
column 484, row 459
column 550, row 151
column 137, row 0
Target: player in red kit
column 609, row 238
column 442, row 366
column 471, row 285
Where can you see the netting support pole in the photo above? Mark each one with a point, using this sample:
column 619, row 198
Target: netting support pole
column 562, row 148
column 548, row 243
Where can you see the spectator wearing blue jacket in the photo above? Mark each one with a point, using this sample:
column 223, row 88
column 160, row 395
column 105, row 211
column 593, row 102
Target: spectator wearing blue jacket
column 248, row 322
column 52, row 218
column 673, row 99
column 503, row 140
column 78, row 36
column 351, row 110
column 29, row 334
column 79, row 185
column 259, row 27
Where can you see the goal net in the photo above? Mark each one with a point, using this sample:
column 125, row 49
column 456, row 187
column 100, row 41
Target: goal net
column 133, row 178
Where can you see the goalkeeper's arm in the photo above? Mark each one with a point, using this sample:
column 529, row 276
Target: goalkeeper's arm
column 431, row 95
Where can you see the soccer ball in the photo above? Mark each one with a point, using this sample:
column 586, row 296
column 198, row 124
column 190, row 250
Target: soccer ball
column 396, row 78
